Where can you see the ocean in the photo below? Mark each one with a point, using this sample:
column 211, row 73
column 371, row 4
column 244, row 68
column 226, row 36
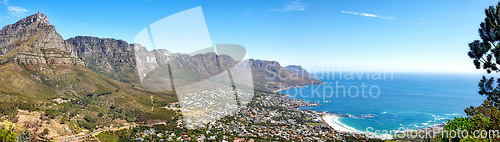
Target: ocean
column 391, row 101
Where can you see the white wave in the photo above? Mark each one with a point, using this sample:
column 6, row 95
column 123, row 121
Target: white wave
column 333, row 121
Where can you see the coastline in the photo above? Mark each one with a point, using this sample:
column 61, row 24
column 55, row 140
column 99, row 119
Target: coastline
column 332, row 120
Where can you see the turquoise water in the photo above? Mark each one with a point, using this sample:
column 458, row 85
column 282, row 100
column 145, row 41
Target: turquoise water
column 407, row 100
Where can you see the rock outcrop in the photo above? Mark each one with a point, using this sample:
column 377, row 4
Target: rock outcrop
column 116, row 59
column 187, row 69
column 299, row 70
column 33, row 42
column 271, row 76
column 37, row 65
column 107, row 56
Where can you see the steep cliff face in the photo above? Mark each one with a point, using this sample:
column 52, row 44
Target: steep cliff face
column 187, row 69
column 32, row 52
column 155, row 67
column 107, row 56
column 33, row 42
column 299, row 70
column 271, row 76
column 37, row 66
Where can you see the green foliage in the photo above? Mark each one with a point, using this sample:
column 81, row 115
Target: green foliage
column 90, row 119
column 8, row 109
column 485, row 117
column 160, row 103
column 86, row 125
column 128, row 115
column 29, row 107
column 84, row 101
column 459, row 123
column 7, row 135
column 101, row 90
column 45, row 131
column 51, row 113
column 108, row 136
column 116, row 136
column 158, row 114
column 462, row 123
column 73, row 113
column 486, row 88
column 486, row 53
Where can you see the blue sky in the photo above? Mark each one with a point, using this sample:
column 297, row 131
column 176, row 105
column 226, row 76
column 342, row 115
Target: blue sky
column 402, row 35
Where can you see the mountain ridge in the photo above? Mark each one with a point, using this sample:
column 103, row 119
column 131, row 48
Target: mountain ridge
column 299, row 70
column 38, row 67
column 96, row 79
column 198, row 64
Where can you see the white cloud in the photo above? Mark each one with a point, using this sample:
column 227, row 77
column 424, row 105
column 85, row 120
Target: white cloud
column 4, row 2
column 367, row 15
column 295, row 5
column 16, row 10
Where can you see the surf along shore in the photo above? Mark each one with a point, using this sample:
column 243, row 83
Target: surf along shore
column 333, row 120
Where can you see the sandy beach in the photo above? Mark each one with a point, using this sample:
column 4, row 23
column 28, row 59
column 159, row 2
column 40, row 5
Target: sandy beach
column 333, row 121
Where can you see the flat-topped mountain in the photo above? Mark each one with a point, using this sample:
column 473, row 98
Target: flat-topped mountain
column 45, row 83
column 73, row 85
column 267, row 75
column 110, row 57
column 117, row 59
column 35, row 43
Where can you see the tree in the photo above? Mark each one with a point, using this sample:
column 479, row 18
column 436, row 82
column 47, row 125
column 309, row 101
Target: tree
column 45, row 132
column 7, row 135
column 483, row 117
column 486, row 53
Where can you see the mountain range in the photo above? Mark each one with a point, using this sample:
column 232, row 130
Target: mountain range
column 84, row 82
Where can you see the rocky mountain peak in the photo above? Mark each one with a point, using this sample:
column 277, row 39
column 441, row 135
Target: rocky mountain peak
column 32, row 40
column 299, row 70
column 38, row 18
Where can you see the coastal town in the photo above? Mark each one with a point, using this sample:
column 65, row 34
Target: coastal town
column 267, row 117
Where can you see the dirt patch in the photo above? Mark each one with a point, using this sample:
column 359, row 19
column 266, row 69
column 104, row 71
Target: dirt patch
column 34, row 122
